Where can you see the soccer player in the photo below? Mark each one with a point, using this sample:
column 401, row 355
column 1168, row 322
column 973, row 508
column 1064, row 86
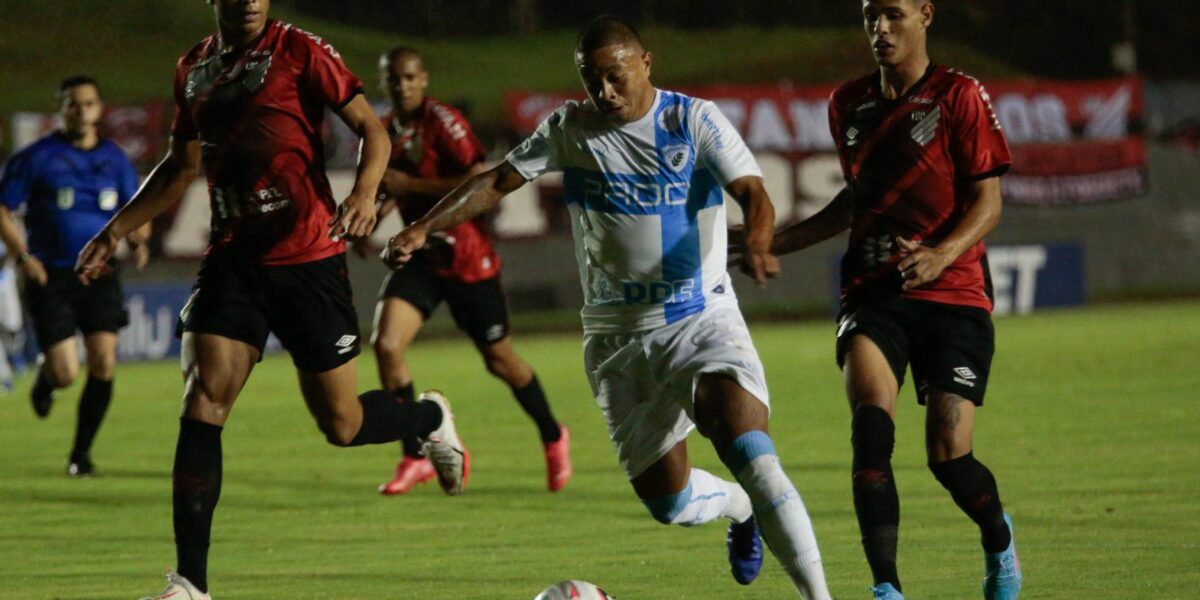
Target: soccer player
column 922, row 154
column 433, row 151
column 665, row 347
column 71, row 182
column 250, row 104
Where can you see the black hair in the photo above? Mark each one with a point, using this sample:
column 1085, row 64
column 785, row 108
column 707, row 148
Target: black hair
column 607, row 30
column 75, row 81
column 399, row 52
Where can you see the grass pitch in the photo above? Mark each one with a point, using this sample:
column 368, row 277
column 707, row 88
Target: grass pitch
column 1091, row 426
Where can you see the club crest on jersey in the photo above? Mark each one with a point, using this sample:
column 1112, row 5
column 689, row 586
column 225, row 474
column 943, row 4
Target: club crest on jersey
column 677, row 156
column 670, row 119
column 926, row 128
column 107, row 199
column 65, row 198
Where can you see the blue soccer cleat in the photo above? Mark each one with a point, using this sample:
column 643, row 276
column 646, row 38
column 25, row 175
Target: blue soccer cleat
column 1002, row 580
column 886, row 591
column 745, row 551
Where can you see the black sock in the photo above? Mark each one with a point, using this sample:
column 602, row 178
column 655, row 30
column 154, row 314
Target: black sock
column 93, row 404
column 411, row 446
column 197, row 487
column 386, row 418
column 974, row 491
column 533, row 400
column 875, row 500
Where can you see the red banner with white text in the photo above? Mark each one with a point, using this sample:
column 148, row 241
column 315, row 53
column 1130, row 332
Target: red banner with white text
column 1074, row 142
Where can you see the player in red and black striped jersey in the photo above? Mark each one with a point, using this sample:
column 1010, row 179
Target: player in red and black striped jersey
column 251, row 101
column 433, row 151
column 922, row 152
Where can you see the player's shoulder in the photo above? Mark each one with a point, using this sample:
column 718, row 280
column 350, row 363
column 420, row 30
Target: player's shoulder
column 47, row 144
column 111, row 148
column 442, row 114
column 855, row 90
column 573, row 114
column 300, row 40
column 203, row 49
column 954, row 82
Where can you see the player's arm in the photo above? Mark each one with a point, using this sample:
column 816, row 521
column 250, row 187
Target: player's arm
column 14, row 242
column 923, row 264
column 835, row 218
column 474, row 197
column 355, row 217
column 759, row 214
column 397, row 183
column 162, row 189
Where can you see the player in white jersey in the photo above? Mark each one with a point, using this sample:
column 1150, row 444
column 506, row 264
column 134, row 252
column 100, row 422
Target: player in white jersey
column 665, row 347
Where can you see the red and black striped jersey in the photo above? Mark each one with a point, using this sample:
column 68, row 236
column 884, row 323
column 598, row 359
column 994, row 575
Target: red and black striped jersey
column 909, row 163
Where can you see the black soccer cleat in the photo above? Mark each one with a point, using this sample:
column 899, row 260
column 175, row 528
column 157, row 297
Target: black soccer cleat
column 41, row 402
column 81, row 467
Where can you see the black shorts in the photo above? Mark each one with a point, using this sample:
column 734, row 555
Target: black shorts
column 65, row 305
column 479, row 308
column 950, row 347
column 308, row 306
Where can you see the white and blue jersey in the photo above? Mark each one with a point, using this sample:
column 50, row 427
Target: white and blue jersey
column 69, row 193
column 646, row 204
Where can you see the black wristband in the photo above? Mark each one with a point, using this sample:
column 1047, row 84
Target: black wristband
column 22, row 257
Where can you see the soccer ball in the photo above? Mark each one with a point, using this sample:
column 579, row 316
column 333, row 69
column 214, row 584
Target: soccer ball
column 573, row 590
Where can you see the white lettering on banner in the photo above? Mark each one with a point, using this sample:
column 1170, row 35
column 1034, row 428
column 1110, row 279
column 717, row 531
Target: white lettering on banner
column 1042, row 118
column 767, row 129
column 1108, row 117
column 818, row 180
column 734, row 110
column 811, row 121
column 1014, row 272
column 148, row 336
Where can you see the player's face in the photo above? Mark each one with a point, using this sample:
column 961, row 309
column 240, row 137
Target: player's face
column 617, row 80
column 896, row 28
column 81, row 107
column 404, row 80
column 246, row 17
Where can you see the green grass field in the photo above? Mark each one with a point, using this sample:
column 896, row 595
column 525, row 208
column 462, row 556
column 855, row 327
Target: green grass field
column 1092, row 428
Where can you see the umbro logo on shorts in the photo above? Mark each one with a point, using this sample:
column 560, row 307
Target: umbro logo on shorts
column 345, row 343
column 964, row 376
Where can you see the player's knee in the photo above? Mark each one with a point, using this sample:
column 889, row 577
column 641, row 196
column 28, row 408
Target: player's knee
column 388, row 348
column 63, row 373
column 339, row 431
column 873, row 436
column 667, row 508
column 207, row 396
column 102, row 367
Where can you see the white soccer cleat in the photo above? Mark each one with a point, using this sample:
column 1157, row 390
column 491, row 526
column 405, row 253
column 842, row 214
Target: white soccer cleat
column 444, row 448
column 179, row 588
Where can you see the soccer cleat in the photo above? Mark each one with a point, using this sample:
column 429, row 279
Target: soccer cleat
column 42, row 401
column 745, row 551
column 886, row 591
column 81, row 467
column 558, row 460
column 1002, row 579
column 411, row 471
column 179, row 588
column 444, row 448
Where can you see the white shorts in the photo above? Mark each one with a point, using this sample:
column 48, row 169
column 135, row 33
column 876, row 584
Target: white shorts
column 645, row 381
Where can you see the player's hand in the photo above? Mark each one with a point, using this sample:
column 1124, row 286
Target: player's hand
column 34, row 270
column 921, row 264
column 93, row 259
column 385, row 207
column 759, row 264
column 400, row 248
column 354, row 218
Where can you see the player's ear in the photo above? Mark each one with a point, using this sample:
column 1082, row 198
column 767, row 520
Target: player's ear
column 927, row 14
column 647, row 59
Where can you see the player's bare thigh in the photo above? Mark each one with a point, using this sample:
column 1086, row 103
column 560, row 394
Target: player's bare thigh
column 215, row 368
column 397, row 323
column 869, row 379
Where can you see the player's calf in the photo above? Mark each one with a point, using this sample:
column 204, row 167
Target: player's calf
column 974, row 491
column 705, row 498
column 876, row 502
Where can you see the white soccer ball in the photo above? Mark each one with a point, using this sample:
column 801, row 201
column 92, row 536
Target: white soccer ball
column 573, row 590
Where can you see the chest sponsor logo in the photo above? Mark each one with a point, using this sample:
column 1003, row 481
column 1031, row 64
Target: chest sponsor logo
column 659, row 292
column 926, row 128
column 65, row 198
column 107, row 199
column 677, row 156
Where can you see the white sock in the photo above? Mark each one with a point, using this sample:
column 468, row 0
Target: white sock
column 705, row 498
column 780, row 512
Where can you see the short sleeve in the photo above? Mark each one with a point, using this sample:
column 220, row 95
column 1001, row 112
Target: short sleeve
column 977, row 143
column 457, row 142
column 182, row 127
column 541, row 152
column 835, row 127
column 15, row 183
column 719, row 146
column 325, row 75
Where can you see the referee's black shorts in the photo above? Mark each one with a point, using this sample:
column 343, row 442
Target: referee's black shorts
column 65, row 305
column 308, row 306
column 949, row 346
